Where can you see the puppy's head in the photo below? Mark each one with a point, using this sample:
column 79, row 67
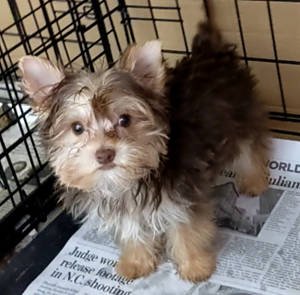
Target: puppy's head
column 106, row 128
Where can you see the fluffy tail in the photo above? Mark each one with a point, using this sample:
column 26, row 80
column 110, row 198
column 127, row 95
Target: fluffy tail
column 208, row 39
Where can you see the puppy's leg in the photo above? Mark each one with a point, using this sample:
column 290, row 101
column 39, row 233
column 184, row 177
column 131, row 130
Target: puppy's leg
column 251, row 168
column 138, row 259
column 191, row 245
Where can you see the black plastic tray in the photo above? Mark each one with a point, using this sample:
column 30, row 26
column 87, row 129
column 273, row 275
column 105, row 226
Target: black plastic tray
column 25, row 266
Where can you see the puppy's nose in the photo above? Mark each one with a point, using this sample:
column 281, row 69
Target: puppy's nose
column 105, row 156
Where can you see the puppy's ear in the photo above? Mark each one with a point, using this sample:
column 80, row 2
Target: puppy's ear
column 145, row 63
column 39, row 77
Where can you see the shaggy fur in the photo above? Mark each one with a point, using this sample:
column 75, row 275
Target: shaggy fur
column 148, row 181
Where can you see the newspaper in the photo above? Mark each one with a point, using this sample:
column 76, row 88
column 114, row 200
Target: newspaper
column 259, row 246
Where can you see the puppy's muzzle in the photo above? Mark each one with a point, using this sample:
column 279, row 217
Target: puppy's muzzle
column 105, row 156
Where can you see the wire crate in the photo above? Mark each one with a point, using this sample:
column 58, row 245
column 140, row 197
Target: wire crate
column 91, row 34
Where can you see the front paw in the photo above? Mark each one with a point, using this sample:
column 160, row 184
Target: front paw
column 135, row 269
column 253, row 187
column 197, row 270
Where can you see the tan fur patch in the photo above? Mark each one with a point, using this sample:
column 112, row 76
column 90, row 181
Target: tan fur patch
column 191, row 245
column 251, row 169
column 137, row 260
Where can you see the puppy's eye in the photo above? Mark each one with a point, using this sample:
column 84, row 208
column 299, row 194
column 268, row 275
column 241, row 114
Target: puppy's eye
column 124, row 120
column 77, row 128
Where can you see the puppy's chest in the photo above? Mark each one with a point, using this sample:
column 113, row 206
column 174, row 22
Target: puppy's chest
column 124, row 215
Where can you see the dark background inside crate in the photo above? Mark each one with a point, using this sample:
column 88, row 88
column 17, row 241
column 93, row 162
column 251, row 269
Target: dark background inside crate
column 91, row 34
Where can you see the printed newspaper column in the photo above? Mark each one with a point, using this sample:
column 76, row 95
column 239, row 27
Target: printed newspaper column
column 262, row 240
column 84, row 266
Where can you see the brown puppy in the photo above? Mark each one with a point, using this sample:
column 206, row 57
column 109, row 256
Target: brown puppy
column 138, row 149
